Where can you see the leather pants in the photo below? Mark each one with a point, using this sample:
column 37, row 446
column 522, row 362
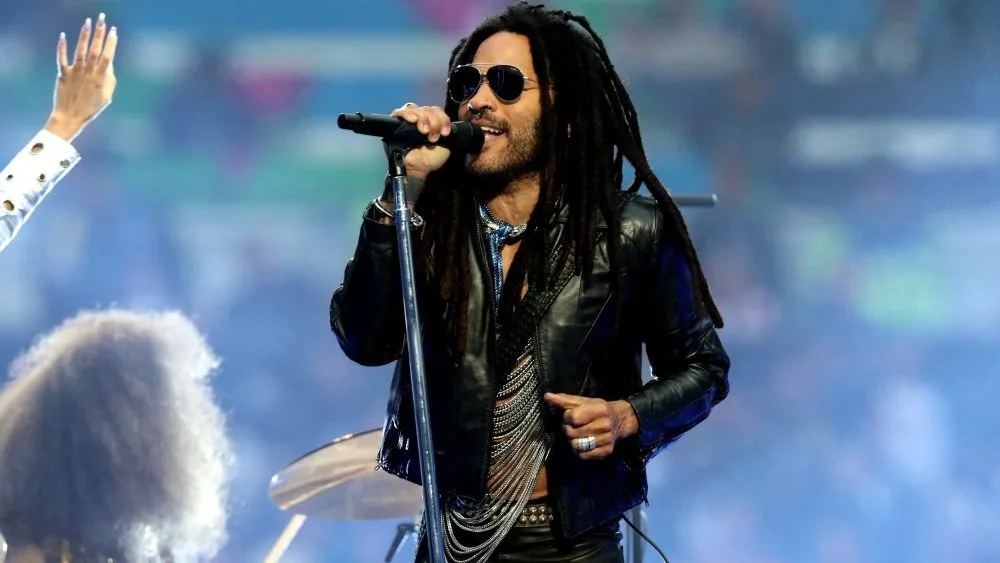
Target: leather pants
column 538, row 544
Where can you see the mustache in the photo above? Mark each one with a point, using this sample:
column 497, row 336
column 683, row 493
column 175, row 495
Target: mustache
column 488, row 119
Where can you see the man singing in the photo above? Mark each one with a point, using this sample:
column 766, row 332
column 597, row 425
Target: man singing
column 112, row 447
column 542, row 276
column 83, row 90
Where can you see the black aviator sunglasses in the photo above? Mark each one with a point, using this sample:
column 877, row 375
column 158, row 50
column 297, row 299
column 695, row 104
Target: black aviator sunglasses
column 506, row 81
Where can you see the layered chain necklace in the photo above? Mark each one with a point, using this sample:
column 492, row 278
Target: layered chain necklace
column 519, row 445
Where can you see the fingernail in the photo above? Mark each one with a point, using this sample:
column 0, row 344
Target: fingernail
column 100, row 17
column 62, row 37
column 114, row 31
column 86, row 23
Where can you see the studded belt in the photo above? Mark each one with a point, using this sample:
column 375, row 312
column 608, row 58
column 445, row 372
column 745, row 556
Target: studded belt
column 535, row 515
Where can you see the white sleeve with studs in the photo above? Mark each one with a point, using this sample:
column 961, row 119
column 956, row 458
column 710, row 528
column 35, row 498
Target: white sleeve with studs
column 28, row 178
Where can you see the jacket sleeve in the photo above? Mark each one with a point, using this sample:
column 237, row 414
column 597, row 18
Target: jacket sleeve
column 690, row 367
column 25, row 182
column 366, row 311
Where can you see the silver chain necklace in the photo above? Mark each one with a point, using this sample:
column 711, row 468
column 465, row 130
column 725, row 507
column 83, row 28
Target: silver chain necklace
column 518, row 450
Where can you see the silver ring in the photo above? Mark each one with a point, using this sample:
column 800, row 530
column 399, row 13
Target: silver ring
column 586, row 443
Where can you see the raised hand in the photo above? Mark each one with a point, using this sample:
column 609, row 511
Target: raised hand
column 85, row 86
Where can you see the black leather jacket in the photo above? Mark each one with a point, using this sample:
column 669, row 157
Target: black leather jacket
column 575, row 354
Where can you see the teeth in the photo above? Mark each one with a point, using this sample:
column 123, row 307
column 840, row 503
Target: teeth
column 491, row 130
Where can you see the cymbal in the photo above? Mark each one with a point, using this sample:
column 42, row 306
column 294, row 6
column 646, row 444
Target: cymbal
column 340, row 481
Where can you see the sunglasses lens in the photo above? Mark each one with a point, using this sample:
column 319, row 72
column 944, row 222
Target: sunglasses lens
column 506, row 81
column 463, row 83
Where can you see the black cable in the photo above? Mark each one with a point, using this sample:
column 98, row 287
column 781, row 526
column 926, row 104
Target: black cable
column 649, row 541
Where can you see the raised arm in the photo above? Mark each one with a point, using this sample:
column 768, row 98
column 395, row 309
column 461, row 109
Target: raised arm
column 83, row 90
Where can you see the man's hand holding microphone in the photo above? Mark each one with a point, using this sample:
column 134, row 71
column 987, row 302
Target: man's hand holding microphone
column 422, row 160
column 427, row 135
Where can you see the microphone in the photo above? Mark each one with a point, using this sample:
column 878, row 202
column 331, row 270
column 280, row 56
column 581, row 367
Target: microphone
column 465, row 137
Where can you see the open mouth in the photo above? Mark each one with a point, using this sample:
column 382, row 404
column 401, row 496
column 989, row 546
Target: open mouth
column 492, row 131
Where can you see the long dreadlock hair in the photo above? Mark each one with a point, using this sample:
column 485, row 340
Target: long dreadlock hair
column 586, row 134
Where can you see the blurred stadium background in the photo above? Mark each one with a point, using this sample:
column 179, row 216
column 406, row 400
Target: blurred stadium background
column 855, row 148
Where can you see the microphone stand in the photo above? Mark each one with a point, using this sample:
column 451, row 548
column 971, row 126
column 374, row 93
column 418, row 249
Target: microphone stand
column 634, row 549
column 414, row 345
